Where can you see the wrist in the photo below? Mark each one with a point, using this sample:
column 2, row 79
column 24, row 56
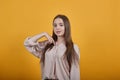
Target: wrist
column 44, row 33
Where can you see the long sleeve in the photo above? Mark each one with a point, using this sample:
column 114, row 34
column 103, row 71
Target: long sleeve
column 36, row 48
column 75, row 69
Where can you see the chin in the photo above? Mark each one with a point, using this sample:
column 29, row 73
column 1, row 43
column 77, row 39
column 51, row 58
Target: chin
column 59, row 35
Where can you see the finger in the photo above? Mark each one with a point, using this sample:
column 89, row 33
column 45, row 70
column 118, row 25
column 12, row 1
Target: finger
column 53, row 42
column 50, row 40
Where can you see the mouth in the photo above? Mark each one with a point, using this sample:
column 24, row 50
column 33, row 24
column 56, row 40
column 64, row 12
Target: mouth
column 58, row 32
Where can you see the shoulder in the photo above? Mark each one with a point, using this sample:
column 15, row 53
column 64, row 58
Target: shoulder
column 77, row 49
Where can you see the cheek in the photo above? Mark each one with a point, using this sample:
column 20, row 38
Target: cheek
column 63, row 30
column 54, row 30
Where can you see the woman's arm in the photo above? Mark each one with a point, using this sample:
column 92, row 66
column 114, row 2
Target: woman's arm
column 35, row 47
column 75, row 68
column 38, row 36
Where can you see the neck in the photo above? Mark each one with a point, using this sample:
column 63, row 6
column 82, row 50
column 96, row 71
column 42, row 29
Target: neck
column 60, row 40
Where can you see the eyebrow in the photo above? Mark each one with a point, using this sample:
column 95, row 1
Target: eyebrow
column 58, row 23
column 61, row 23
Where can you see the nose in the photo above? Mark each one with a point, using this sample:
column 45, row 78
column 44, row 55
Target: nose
column 57, row 27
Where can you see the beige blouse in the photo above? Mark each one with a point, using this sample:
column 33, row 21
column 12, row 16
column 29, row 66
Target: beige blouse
column 55, row 66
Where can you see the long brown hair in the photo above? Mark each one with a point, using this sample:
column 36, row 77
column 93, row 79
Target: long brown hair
column 70, row 54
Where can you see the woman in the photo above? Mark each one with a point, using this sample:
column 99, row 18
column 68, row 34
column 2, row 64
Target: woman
column 59, row 55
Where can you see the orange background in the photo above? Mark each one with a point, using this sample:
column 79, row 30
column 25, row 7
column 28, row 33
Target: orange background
column 95, row 28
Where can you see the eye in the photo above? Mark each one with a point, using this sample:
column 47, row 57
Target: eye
column 61, row 24
column 55, row 25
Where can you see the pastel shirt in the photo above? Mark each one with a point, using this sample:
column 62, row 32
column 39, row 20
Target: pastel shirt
column 55, row 67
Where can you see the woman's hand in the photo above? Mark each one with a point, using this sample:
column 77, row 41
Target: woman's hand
column 50, row 39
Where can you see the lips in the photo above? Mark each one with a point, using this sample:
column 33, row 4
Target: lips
column 58, row 32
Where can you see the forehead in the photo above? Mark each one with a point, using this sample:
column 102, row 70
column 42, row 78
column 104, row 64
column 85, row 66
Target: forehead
column 58, row 20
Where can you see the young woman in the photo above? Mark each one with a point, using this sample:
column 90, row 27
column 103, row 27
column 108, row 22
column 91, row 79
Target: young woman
column 59, row 55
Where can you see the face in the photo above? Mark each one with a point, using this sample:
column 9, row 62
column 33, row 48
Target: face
column 59, row 28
